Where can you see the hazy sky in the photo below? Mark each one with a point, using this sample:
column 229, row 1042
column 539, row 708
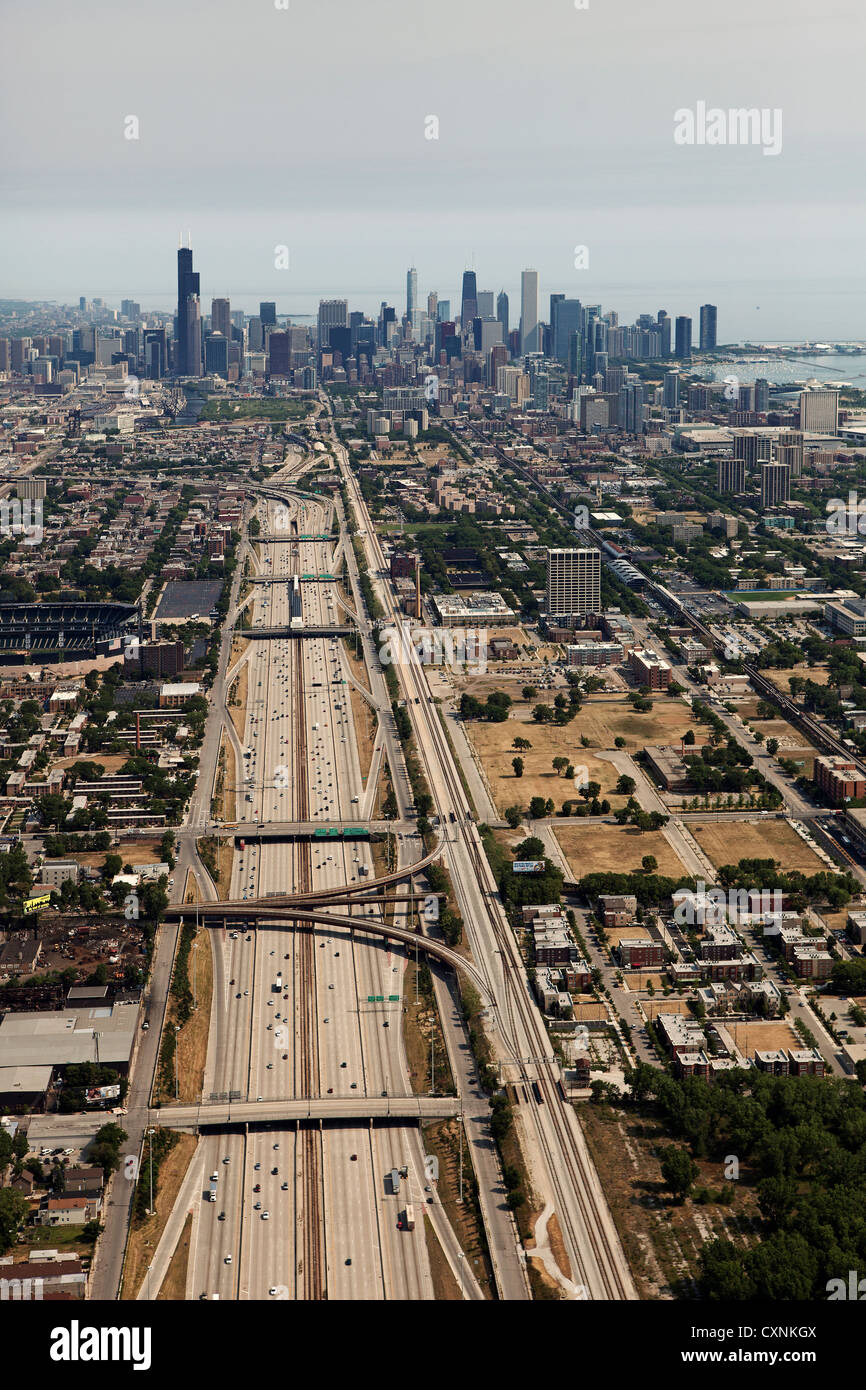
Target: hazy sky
column 306, row 127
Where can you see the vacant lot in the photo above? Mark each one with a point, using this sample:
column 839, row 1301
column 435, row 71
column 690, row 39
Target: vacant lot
column 615, row 849
column 112, row 762
column 762, row 1037
column 816, row 674
column 763, row 839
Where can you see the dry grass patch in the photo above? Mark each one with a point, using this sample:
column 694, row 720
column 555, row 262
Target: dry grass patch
column 193, row 1038
column 764, row 839
column 445, row 1287
column 144, row 1239
column 132, row 852
column 817, row 674
column 615, row 849
column 112, row 762
column 174, row 1284
column 653, row 1007
column 237, row 700
column 762, row 1037
column 464, row 1217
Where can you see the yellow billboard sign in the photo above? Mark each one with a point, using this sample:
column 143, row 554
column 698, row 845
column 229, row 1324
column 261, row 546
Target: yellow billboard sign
column 34, row 904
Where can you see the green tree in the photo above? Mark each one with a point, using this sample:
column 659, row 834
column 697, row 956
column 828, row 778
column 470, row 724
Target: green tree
column 679, row 1171
column 517, row 764
column 649, row 863
column 13, row 1209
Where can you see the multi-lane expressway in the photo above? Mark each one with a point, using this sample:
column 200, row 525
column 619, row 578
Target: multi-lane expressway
column 560, row 1163
column 301, row 1209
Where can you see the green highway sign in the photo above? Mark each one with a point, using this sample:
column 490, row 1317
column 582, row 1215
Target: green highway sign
column 393, row 999
column 375, row 998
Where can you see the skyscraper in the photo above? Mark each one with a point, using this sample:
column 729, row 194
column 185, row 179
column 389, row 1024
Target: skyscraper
column 268, row 313
column 433, row 305
column 708, row 327
column 683, row 343
column 484, row 300
column 187, row 324
column 573, row 582
column 502, row 313
column 411, row 293
column 333, row 313
column 529, row 311
column 221, row 318
column 443, row 311
column 566, row 320
column 762, row 395
column 468, row 300
column 664, row 324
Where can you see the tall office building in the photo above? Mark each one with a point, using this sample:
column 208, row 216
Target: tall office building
column 433, row 305
column 411, row 293
column 708, row 327
column 221, row 318
column 443, row 311
column 333, row 313
column 529, row 337
column 187, row 324
column 671, row 398
column 683, row 341
column 502, row 313
column 775, row 484
column 566, row 320
column 732, row 475
column 762, row 395
column 468, row 300
column 485, row 304
column 573, row 582
column 268, row 313
column 279, row 354
column 216, row 355
column 255, row 334
column 819, row 411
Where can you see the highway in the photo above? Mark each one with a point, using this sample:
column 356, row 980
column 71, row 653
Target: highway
column 559, row 1161
column 325, row 1223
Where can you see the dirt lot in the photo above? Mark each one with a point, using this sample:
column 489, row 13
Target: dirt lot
column 131, row 852
column 653, row 1007
column 762, row 1037
column 613, row 848
column 112, row 762
column 766, row 839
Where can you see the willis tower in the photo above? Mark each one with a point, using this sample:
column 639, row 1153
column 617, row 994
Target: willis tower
column 187, row 324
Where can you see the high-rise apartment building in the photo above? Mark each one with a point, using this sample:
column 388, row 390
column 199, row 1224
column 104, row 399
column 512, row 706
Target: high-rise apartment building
column 762, row 395
column 752, row 448
column 529, row 337
column 732, row 475
column 775, row 484
column 683, row 338
column 573, row 582
column 333, row 313
column 671, row 397
column 708, row 327
column 819, row 411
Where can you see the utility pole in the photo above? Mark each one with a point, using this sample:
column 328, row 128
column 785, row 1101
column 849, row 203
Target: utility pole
column 175, row 1062
column 432, row 1066
column 460, row 1198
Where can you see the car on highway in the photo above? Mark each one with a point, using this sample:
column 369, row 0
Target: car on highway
column 222, row 1216
column 285, row 1187
column 266, row 1216
column 257, row 1206
column 227, row 1260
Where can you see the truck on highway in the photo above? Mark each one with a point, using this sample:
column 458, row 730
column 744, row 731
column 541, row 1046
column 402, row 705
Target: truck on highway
column 395, row 1181
column 211, row 1196
column 409, row 1219
column 278, row 985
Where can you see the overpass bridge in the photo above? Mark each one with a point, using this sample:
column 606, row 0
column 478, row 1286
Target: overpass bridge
column 220, row 1114
column 306, row 829
column 254, row 633
column 262, row 913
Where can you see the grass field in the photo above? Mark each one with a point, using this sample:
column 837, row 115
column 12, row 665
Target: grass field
column 816, row 674
column 615, row 849
column 766, row 839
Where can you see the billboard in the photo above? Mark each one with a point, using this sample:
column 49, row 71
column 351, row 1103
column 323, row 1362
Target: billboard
column 103, row 1093
column 528, row 866
column 34, row 904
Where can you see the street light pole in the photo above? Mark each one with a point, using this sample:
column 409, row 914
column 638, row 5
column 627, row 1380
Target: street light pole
column 460, row 1259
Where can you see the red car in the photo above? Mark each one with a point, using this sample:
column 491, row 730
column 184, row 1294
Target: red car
column 258, row 1187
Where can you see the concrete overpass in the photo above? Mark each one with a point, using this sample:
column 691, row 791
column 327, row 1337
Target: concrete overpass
column 319, row 1109
column 300, row 829
column 255, row 633
column 272, row 911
